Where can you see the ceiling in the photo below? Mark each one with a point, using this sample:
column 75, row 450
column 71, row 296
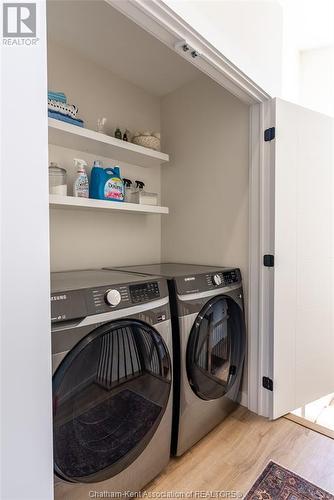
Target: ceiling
column 100, row 33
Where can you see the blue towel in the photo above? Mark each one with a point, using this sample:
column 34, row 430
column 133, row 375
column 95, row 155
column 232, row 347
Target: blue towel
column 67, row 119
column 57, row 96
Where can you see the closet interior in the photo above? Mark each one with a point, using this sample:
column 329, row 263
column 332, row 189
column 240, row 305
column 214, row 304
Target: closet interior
column 109, row 67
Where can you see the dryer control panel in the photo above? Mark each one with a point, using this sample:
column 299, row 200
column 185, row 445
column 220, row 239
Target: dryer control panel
column 210, row 281
column 224, row 278
column 231, row 277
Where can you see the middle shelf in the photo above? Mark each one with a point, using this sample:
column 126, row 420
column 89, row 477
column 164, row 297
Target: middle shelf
column 70, row 202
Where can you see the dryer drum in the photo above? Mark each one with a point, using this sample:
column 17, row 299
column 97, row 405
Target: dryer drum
column 111, row 392
column 215, row 348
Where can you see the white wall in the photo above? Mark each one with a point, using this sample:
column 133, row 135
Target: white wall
column 86, row 239
column 206, row 184
column 307, row 29
column 317, row 79
column 290, row 69
column 26, row 399
column 247, row 32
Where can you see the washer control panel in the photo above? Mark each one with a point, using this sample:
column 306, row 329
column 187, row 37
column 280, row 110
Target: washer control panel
column 74, row 304
column 143, row 292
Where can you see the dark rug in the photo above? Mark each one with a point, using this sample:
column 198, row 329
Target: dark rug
column 277, row 483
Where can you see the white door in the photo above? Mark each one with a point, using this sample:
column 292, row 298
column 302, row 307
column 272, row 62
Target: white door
column 297, row 328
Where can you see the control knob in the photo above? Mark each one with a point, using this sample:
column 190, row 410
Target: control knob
column 112, row 297
column 216, row 279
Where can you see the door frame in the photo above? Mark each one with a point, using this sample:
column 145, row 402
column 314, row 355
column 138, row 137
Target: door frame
column 162, row 22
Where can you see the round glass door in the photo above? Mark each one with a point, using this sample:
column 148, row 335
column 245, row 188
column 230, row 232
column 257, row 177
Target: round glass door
column 109, row 394
column 215, row 349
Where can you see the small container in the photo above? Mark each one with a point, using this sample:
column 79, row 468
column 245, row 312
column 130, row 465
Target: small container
column 101, row 125
column 144, row 197
column 118, row 133
column 57, row 180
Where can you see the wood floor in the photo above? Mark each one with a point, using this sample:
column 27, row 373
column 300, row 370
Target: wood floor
column 233, row 455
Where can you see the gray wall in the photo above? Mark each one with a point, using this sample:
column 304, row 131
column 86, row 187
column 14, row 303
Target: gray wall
column 206, row 183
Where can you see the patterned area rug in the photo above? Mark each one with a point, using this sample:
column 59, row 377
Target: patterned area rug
column 277, row 483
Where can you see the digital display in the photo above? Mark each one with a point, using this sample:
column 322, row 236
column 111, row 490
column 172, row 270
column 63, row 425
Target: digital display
column 231, row 277
column 144, row 292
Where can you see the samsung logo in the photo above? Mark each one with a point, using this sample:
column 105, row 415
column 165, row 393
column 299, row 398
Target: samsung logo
column 190, row 279
column 58, row 297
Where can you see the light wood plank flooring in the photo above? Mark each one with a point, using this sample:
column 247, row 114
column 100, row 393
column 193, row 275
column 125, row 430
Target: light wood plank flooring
column 233, row 455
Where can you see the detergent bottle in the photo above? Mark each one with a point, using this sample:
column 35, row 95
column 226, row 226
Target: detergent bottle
column 96, row 179
column 106, row 183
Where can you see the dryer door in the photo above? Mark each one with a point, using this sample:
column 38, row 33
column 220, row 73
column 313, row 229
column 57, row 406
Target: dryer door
column 110, row 393
column 215, row 350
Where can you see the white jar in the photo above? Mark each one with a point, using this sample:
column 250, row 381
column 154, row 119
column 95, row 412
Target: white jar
column 57, row 180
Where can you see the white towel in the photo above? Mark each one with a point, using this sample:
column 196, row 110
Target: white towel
column 65, row 109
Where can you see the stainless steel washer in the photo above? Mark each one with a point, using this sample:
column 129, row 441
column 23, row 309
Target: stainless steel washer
column 112, row 381
column 209, row 345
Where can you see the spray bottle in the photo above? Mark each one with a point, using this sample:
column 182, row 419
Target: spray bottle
column 81, row 184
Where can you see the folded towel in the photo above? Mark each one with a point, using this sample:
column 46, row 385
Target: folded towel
column 57, row 96
column 65, row 109
column 64, row 118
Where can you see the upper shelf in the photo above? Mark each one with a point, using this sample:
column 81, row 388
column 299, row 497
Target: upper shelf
column 82, row 139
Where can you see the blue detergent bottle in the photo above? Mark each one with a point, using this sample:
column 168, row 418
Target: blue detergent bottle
column 106, row 183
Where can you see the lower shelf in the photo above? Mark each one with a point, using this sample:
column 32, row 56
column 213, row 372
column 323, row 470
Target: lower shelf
column 70, row 202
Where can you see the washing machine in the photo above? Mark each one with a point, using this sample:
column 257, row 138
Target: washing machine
column 112, row 381
column 209, row 345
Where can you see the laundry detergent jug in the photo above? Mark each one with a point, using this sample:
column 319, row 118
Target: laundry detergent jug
column 106, row 183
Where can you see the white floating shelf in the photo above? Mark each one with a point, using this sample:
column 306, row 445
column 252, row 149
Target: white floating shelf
column 70, row 202
column 82, row 139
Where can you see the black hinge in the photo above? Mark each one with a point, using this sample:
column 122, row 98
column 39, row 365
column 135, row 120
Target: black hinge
column 268, row 260
column 267, row 383
column 269, row 134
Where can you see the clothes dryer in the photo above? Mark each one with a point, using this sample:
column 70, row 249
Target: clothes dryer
column 209, row 345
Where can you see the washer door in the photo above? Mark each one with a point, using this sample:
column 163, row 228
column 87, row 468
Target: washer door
column 215, row 349
column 110, row 393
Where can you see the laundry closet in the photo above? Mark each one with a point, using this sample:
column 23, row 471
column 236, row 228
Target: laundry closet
column 234, row 167
column 110, row 67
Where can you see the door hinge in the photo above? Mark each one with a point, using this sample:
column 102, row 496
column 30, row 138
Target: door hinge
column 268, row 260
column 269, row 134
column 267, row 383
